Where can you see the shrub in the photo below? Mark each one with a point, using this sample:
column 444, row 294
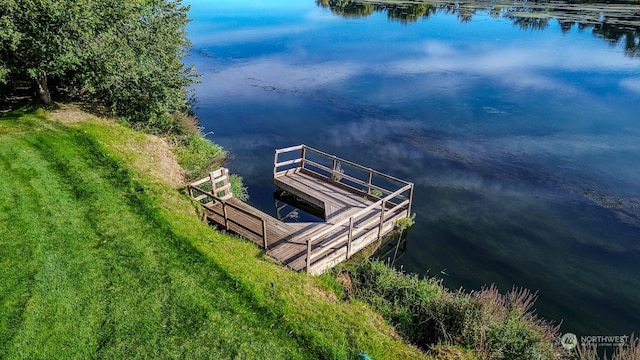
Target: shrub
column 509, row 329
column 425, row 313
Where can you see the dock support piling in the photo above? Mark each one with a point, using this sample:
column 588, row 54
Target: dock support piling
column 226, row 217
column 264, row 233
column 382, row 206
column 350, row 237
column 308, row 257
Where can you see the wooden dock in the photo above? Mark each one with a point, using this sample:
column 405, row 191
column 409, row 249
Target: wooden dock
column 359, row 206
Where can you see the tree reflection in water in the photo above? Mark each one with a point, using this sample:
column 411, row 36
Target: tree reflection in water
column 613, row 22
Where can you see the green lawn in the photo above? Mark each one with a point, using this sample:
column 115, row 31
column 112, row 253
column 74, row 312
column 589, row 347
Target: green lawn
column 102, row 259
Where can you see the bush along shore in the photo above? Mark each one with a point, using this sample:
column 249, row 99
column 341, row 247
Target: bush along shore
column 488, row 324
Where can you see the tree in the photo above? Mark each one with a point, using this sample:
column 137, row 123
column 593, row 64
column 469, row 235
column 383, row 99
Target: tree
column 43, row 40
column 136, row 66
column 125, row 54
column 8, row 40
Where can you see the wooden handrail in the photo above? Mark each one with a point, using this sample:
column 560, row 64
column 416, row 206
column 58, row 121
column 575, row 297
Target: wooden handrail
column 300, row 160
column 288, row 162
column 200, row 182
column 333, row 158
column 234, row 207
column 351, row 220
column 204, row 192
column 358, row 166
column 348, row 177
column 289, row 149
column 361, row 212
column 344, row 221
column 320, row 252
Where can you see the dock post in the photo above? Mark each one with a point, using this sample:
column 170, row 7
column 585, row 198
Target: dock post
column 350, row 237
column 308, row 257
column 226, row 217
column 275, row 162
column 264, row 233
column 383, row 205
column 410, row 200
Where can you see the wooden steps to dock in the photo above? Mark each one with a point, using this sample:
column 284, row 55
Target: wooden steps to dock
column 357, row 210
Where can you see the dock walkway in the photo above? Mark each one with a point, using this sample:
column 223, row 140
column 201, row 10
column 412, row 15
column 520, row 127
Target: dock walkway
column 360, row 205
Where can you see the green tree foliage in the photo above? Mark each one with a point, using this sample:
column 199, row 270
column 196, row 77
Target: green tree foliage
column 44, row 39
column 8, row 40
column 136, row 67
column 124, row 54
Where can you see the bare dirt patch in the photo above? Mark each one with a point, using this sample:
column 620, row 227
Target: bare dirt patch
column 164, row 165
column 346, row 282
column 151, row 155
column 69, row 114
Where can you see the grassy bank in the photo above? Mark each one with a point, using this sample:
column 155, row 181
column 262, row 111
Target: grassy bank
column 101, row 256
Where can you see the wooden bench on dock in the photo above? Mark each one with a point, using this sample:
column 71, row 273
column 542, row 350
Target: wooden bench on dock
column 360, row 206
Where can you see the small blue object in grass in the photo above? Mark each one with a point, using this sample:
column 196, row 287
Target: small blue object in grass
column 364, row 356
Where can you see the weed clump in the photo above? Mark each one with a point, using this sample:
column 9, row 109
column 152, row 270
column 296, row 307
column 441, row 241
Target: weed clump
column 198, row 156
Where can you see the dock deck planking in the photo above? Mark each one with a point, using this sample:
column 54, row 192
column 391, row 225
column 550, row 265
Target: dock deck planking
column 336, row 201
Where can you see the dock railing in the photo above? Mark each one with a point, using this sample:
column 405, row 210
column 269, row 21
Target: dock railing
column 391, row 195
column 220, row 192
column 382, row 206
column 342, row 172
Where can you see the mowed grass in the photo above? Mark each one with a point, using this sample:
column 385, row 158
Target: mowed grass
column 100, row 259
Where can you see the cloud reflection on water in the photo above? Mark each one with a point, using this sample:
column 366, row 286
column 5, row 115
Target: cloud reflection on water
column 521, row 66
column 249, row 34
column 272, row 74
column 516, row 67
column 632, row 84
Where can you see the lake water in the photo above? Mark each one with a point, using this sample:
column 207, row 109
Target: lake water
column 521, row 132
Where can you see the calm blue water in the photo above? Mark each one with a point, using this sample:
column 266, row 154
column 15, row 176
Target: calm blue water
column 524, row 145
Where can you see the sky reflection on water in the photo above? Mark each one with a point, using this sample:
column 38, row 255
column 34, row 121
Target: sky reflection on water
column 524, row 145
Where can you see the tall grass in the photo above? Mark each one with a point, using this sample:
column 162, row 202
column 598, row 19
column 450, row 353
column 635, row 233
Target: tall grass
column 630, row 351
column 197, row 155
column 490, row 324
column 493, row 325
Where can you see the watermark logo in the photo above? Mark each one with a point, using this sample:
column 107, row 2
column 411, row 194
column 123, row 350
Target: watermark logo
column 599, row 340
column 569, row 341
